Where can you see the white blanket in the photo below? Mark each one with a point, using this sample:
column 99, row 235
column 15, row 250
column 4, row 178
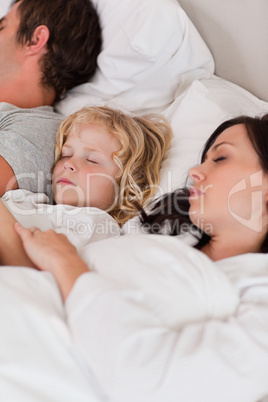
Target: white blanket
column 81, row 225
column 38, row 362
column 157, row 321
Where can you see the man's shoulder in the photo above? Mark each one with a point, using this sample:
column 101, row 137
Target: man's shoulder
column 12, row 116
column 7, row 108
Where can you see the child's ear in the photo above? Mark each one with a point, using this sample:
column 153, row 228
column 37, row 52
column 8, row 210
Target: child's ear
column 39, row 39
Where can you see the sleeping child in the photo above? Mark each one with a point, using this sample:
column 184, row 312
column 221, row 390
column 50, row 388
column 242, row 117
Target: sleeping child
column 107, row 166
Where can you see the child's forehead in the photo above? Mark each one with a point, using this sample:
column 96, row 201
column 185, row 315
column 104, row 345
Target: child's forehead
column 80, row 127
column 94, row 136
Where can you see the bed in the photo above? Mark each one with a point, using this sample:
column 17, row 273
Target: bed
column 199, row 62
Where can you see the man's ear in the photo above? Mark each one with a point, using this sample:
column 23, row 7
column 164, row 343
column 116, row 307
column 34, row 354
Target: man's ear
column 38, row 40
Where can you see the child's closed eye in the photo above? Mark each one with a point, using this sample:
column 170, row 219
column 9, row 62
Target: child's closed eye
column 92, row 161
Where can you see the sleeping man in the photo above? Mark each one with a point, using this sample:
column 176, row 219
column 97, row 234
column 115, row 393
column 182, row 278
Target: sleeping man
column 43, row 53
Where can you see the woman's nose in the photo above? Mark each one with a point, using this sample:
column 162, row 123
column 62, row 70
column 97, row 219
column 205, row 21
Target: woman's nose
column 196, row 174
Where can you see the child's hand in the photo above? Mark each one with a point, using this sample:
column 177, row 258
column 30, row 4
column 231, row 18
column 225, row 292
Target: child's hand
column 46, row 249
column 51, row 251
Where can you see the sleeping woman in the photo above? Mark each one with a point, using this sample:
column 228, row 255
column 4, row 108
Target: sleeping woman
column 227, row 203
column 191, row 325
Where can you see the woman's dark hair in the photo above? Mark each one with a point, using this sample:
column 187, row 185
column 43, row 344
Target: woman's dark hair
column 74, row 40
column 170, row 213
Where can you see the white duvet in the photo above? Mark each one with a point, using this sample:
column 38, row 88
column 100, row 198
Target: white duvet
column 160, row 322
column 156, row 321
column 38, row 362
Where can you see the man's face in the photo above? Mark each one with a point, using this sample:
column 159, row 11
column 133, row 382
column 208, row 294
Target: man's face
column 10, row 51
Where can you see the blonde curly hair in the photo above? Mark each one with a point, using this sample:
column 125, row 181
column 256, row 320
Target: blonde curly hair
column 145, row 141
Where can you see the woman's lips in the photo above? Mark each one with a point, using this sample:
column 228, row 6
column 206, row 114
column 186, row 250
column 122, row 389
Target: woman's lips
column 195, row 192
column 63, row 180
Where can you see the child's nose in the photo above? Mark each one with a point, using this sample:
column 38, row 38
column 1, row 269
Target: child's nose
column 70, row 165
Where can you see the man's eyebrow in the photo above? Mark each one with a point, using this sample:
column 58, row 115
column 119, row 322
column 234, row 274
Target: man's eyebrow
column 2, row 19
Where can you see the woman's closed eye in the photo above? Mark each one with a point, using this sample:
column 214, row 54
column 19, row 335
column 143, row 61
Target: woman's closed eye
column 2, row 24
column 220, row 158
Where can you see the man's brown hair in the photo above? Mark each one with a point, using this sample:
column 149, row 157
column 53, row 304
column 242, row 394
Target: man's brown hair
column 74, row 41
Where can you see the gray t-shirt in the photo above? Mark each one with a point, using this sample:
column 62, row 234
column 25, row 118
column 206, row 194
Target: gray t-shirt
column 27, row 141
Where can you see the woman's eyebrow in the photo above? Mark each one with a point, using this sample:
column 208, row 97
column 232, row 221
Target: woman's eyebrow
column 215, row 147
column 221, row 143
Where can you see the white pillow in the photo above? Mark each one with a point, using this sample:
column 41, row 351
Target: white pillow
column 4, row 6
column 147, row 46
column 194, row 115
